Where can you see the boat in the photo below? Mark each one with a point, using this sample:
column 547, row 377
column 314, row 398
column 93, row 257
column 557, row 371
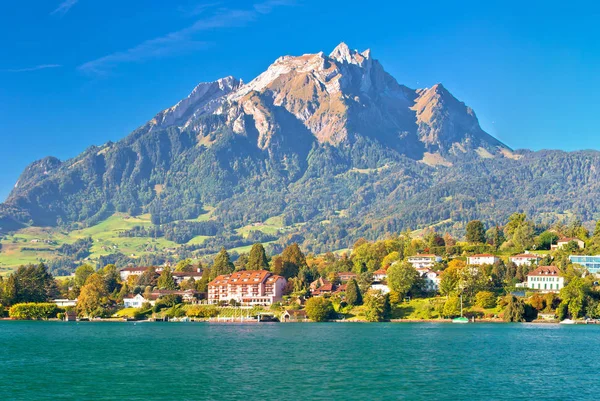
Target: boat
column 460, row 319
column 568, row 321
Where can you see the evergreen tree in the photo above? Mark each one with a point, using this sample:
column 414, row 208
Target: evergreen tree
column 10, row 291
column 257, row 260
column 353, row 295
column 293, row 259
column 475, row 232
column 166, row 280
column 514, row 310
column 222, row 264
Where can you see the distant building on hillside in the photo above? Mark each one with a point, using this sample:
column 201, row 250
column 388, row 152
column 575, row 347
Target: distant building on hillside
column 346, row 276
column 134, row 301
column 65, row 302
column 545, row 279
column 379, row 275
column 259, row 287
column 294, row 316
column 131, row 271
column 482, row 259
column 563, row 242
column 179, row 277
column 525, row 259
column 432, row 279
column 424, row 261
column 591, row 263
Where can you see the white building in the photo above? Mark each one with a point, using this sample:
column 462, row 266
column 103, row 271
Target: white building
column 525, row 259
column 131, row 271
column 65, row 302
column 134, row 302
column 432, row 280
column 563, row 242
column 382, row 287
column 379, row 275
column 424, row 261
column 482, row 259
column 545, row 279
column 259, row 287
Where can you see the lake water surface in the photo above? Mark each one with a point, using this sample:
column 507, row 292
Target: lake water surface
column 201, row 361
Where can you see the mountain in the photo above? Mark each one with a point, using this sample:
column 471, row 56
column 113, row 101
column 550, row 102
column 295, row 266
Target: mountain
column 330, row 144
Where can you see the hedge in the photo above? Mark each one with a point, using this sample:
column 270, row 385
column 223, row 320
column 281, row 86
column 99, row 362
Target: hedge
column 33, row 311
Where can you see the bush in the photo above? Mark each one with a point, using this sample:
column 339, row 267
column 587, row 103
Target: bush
column 319, row 309
column 202, row 311
column 34, row 311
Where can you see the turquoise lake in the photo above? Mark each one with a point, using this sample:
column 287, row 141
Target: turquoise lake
column 386, row 361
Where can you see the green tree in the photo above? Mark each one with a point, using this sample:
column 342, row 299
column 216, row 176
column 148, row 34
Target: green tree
column 485, row 299
column 10, row 291
column 377, row 306
column 545, row 240
column 403, row 278
column 452, row 306
column 293, row 259
column 222, row 264
column 93, row 296
column 185, row 265
column 514, row 311
column 166, row 280
column 111, row 278
column 82, row 273
column 353, row 295
column 475, row 232
column 34, row 284
column 319, row 309
column 257, row 260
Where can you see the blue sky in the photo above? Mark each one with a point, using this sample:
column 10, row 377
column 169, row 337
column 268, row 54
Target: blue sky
column 79, row 72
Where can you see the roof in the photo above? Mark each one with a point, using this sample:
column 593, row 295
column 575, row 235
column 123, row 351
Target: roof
column 380, row 271
column 570, row 239
column 346, row 274
column 244, row 277
column 545, row 271
column 483, row 255
column 424, row 255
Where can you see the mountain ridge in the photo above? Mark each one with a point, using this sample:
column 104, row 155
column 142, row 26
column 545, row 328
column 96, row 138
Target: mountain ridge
column 313, row 138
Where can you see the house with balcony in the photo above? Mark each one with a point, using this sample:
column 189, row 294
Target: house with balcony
column 424, row 261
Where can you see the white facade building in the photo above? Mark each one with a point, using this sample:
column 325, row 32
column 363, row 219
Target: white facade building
column 382, row 287
column 482, row 259
column 65, row 302
column 379, row 275
column 424, row 261
column 134, row 302
column 525, row 259
column 545, row 279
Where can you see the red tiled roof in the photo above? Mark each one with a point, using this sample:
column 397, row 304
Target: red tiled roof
column 241, row 278
column 545, row 271
column 380, row 271
column 482, row 255
column 424, row 255
column 569, row 240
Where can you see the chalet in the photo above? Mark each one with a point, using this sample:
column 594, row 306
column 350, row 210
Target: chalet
column 525, row 259
column 424, row 261
column 545, row 279
column 482, row 259
column 320, row 282
column 563, row 242
column 259, row 287
column 294, row 316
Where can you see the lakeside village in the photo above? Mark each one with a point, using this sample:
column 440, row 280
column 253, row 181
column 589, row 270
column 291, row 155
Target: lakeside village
column 519, row 272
